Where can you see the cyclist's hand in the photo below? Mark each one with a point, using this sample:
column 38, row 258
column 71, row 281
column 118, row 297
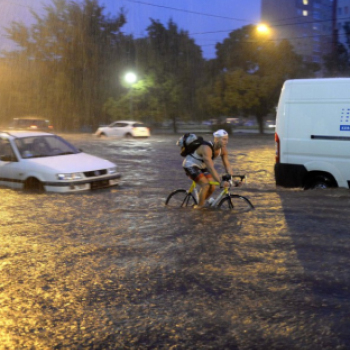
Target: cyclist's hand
column 224, row 184
column 237, row 183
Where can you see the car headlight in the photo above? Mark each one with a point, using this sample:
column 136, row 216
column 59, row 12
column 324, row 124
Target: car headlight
column 70, row 176
column 112, row 170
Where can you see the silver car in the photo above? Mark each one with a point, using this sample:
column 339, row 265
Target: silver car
column 46, row 162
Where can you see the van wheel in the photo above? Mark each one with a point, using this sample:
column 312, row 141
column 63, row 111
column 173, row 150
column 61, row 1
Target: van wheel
column 321, row 182
column 34, row 185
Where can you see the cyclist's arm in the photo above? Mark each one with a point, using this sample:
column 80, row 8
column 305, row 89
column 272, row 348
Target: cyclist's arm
column 225, row 161
column 207, row 154
column 227, row 165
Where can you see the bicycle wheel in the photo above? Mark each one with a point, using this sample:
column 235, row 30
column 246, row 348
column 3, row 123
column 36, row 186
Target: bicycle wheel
column 237, row 202
column 180, row 198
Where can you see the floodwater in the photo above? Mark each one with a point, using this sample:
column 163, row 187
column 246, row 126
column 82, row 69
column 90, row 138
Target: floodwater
column 116, row 269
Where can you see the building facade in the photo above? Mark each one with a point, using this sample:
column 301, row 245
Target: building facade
column 343, row 17
column 307, row 24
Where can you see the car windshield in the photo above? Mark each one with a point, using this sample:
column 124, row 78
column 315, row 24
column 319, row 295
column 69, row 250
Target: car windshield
column 44, row 146
column 138, row 125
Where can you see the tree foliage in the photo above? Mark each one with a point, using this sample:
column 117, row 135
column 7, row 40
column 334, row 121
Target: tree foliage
column 253, row 71
column 71, row 52
column 169, row 65
column 71, row 63
column 337, row 63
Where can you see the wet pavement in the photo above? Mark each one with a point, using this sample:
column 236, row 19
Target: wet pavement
column 116, row 269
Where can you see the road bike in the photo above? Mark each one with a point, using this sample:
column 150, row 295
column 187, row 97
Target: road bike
column 225, row 200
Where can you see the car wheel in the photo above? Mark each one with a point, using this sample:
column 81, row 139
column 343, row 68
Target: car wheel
column 34, row 185
column 321, row 182
column 102, row 135
column 128, row 136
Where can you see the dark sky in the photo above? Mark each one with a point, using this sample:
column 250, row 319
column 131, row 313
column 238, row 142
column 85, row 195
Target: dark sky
column 207, row 21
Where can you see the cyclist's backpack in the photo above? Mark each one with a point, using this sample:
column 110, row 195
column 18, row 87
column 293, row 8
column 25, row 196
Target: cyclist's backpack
column 190, row 142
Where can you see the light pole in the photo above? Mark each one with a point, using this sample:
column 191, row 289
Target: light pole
column 130, row 79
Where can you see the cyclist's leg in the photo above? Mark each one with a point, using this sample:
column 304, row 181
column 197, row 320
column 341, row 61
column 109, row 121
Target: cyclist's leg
column 205, row 190
column 211, row 187
column 197, row 175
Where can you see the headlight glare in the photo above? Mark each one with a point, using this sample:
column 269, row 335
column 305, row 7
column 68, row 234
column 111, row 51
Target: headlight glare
column 70, row 176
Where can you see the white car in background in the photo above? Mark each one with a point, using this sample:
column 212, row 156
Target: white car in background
column 124, row 128
column 46, row 162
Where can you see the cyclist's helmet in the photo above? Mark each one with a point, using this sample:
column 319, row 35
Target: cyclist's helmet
column 220, row 133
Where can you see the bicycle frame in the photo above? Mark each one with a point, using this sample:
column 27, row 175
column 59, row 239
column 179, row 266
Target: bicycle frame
column 225, row 191
column 192, row 193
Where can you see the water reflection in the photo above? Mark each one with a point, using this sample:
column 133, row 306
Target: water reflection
column 116, row 269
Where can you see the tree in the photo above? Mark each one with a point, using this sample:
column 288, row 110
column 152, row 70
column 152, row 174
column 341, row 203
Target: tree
column 14, row 84
column 337, row 63
column 175, row 62
column 252, row 72
column 169, row 65
column 73, row 50
column 153, row 98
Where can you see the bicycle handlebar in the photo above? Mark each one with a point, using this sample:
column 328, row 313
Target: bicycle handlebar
column 229, row 177
column 242, row 177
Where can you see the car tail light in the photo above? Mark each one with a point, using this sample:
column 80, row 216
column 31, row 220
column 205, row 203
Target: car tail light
column 50, row 127
column 277, row 140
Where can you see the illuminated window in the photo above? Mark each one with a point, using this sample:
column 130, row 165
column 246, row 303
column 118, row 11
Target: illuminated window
column 305, row 13
column 305, row 2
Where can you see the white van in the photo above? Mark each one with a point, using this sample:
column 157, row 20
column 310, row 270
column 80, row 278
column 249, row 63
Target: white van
column 313, row 134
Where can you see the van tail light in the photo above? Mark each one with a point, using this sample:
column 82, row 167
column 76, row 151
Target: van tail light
column 277, row 144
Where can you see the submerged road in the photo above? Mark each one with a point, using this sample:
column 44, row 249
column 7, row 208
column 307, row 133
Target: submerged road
column 116, row 269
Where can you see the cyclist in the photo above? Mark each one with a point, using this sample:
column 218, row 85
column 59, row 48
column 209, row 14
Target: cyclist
column 199, row 165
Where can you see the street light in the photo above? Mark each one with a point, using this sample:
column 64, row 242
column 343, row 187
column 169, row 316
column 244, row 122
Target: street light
column 130, row 79
column 263, row 29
